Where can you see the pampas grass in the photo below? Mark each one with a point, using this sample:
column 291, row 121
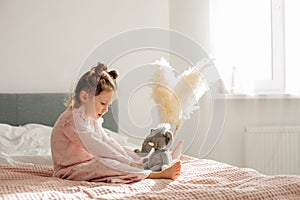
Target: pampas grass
column 164, row 81
column 177, row 95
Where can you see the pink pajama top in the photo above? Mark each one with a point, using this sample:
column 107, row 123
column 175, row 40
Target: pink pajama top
column 81, row 150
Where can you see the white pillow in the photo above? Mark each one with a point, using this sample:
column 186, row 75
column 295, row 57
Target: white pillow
column 25, row 144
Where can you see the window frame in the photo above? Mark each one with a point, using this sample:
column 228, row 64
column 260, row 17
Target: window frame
column 277, row 83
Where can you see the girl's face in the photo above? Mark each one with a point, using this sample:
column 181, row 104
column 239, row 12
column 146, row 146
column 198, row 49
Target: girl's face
column 97, row 106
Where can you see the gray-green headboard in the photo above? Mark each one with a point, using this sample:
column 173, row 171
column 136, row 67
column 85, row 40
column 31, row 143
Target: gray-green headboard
column 42, row 108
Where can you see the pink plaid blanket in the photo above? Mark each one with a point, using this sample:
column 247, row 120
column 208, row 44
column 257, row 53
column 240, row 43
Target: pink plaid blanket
column 200, row 179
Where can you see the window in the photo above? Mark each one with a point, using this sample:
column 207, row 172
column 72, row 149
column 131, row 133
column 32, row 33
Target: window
column 254, row 44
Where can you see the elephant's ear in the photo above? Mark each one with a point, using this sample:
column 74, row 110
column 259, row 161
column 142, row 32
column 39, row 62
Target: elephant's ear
column 152, row 132
column 169, row 139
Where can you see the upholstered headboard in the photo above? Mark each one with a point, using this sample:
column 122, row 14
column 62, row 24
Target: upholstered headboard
column 42, row 108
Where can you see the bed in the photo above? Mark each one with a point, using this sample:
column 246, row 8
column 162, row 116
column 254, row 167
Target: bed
column 26, row 173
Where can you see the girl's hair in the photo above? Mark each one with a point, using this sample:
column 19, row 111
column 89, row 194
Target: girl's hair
column 96, row 80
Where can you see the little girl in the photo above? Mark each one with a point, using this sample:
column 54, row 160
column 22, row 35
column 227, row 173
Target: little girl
column 81, row 150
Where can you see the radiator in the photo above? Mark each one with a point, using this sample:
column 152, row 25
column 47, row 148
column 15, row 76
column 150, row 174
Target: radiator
column 273, row 150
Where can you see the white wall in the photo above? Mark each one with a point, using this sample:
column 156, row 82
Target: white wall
column 244, row 112
column 43, row 43
column 192, row 19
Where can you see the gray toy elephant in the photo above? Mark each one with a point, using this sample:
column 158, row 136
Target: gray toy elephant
column 160, row 139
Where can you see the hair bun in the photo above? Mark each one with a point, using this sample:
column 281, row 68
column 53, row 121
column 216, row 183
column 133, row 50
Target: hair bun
column 114, row 74
column 100, row 67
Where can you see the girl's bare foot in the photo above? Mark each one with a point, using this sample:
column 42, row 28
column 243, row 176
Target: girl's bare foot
column 176, row 153
column 172, row 172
